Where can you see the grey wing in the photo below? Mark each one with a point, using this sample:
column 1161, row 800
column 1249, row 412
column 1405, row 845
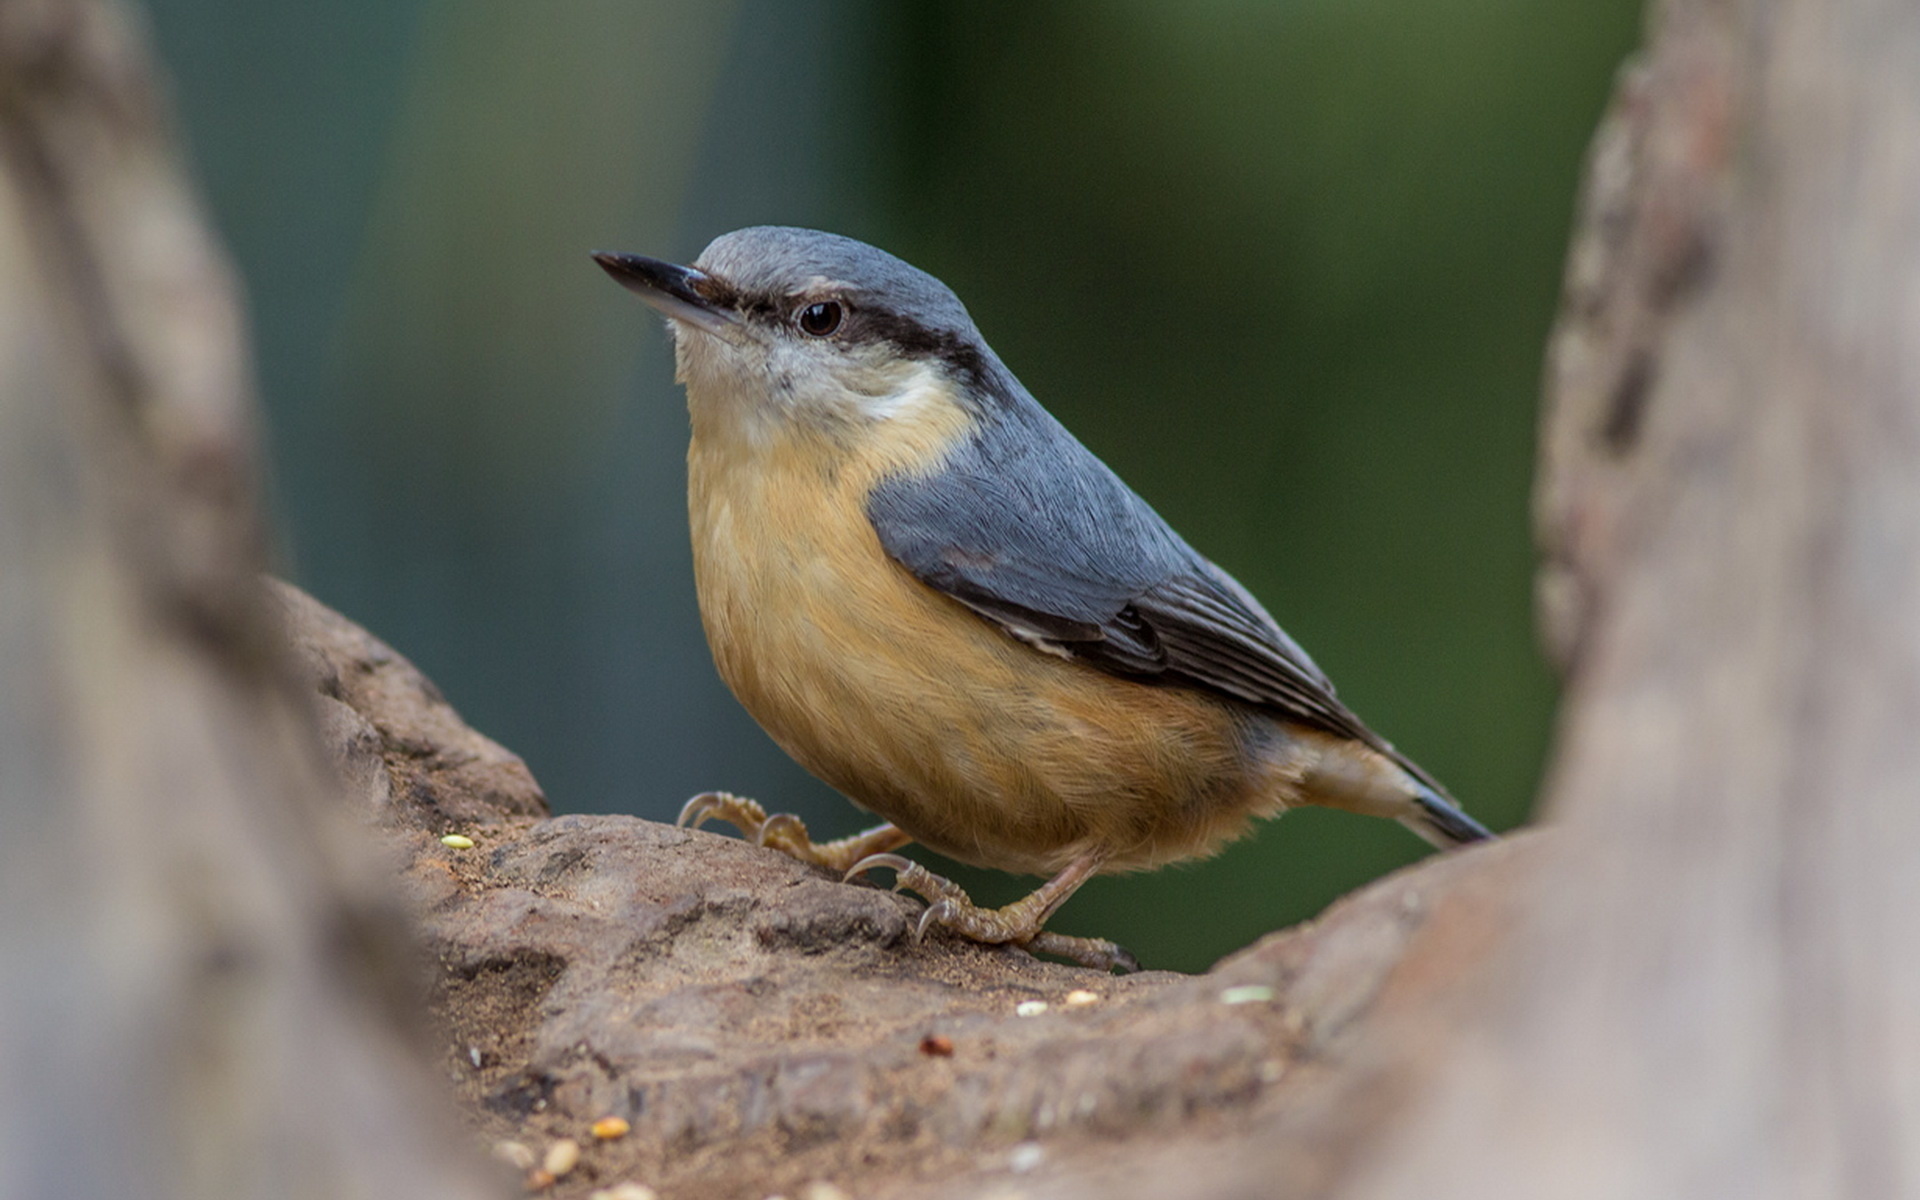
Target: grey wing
column 1026, row 527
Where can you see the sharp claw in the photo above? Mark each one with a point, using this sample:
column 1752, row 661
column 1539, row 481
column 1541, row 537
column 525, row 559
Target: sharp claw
column 936, row 914
column 892, row 862
column 697, row 810
column 776, row 821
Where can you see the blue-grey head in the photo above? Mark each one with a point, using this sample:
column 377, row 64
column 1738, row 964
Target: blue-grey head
column 776, row 323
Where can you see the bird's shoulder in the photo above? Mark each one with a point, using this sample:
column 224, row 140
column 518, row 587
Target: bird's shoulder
column 1031, row 530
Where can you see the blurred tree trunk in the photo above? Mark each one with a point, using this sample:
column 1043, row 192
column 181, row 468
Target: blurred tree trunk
column 1717, row 991
column 198, row 994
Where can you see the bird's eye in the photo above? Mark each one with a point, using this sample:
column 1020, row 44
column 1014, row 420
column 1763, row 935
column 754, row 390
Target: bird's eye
column 821, row 319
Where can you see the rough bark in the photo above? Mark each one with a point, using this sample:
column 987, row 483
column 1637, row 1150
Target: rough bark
column 1716, row 991
column 763, row 1027
column 1703, row 986
column 205, row 990
column 201, row 991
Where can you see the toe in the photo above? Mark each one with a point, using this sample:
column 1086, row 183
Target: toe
column 698, row 809
column 892, row 862
column 783, row 827
column 740, row 812
column 1097, row 953
column 943, row 912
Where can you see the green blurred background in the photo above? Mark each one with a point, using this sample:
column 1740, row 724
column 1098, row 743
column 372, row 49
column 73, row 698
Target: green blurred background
column 1287, row 265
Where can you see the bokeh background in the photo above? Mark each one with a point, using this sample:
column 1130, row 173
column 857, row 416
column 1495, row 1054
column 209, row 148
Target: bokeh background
column 1288, row 265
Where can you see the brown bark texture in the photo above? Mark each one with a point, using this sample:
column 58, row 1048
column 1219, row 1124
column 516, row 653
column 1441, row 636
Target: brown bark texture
column 1700, row 984
column 201, row 991
column 206, row 986
column 1716, row 989
column 762, row 1028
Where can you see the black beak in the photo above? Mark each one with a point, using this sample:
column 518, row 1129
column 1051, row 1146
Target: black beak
column 682, row 293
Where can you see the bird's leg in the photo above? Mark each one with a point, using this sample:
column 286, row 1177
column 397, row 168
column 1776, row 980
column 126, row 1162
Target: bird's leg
column 787, row 833
column 1020, row 922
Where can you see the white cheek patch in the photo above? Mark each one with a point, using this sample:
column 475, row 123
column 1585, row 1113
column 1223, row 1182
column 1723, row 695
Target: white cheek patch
column 916, row 400
column 755, row 385
column 872, row 388
column 913, row 393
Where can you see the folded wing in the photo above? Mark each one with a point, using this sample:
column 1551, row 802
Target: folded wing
column 1027, row 528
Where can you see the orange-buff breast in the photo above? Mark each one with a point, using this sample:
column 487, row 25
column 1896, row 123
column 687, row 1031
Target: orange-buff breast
column 979, row 746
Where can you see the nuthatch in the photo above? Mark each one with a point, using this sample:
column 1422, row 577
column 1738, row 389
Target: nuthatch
column 942, row 604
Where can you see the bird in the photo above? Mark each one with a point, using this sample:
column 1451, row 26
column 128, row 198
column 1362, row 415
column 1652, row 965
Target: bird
column 937, row 600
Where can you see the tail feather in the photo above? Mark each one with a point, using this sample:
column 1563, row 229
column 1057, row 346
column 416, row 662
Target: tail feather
column 1437, row 816
column 1443, row 823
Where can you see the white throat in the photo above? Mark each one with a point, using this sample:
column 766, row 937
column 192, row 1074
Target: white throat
column 743, row 386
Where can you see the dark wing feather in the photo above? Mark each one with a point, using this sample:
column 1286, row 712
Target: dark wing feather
column 1026, row 527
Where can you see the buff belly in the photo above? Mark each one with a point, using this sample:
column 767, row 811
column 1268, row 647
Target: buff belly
column 979, row 746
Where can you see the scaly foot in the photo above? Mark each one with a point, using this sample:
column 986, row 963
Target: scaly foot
column 787, row 833
column 1019, row 923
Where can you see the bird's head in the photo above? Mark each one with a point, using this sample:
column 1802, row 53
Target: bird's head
column 774, row 326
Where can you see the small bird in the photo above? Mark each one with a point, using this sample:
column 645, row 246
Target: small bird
column 938, row 601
